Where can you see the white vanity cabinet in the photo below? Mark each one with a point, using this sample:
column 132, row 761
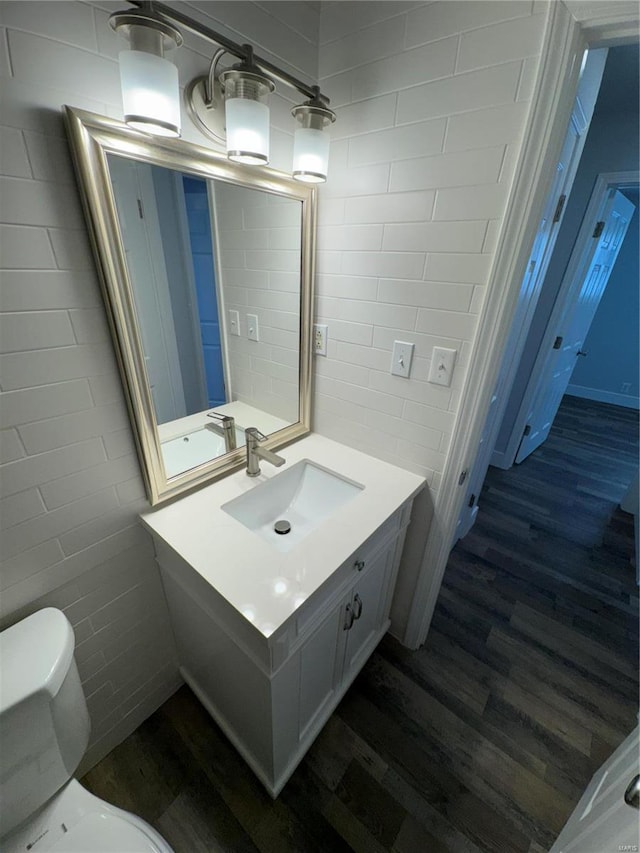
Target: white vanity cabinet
column 271, row 633
column 272, row 695
column 329, row 660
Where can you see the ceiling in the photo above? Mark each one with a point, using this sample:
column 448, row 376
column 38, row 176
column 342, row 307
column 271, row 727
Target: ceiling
column 619, row 92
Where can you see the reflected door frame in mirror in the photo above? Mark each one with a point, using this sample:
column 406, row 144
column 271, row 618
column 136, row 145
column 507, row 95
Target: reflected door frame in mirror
column 92, row 138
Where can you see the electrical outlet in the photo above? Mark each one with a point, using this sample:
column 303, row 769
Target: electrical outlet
column 234, row 322
column 401, row 358
column 252, row 327
column 442, row 361
column 320, row 334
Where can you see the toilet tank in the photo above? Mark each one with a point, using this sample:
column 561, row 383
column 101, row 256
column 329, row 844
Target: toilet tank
column 44, row 722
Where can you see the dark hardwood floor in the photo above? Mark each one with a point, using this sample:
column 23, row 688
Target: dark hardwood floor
column 484, row 739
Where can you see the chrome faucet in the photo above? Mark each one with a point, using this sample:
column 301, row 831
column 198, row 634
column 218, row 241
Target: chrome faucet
column 226, row 428
column 255, row 452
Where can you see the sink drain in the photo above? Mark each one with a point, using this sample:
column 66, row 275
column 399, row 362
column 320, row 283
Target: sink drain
column 282, row 526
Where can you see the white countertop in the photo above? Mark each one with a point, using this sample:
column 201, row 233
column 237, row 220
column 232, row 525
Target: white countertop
column 244, row 415
column 261, row 582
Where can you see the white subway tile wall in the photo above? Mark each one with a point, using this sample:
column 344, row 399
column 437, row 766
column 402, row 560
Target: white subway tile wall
column 259, row 274
column 432, row 101
column 71, row 487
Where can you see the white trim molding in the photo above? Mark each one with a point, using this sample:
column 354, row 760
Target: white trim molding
column 606, row 22
column 600, row 396
column 566, row 35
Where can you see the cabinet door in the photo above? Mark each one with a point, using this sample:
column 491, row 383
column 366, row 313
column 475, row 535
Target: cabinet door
column 369, row 605
column 319, row 660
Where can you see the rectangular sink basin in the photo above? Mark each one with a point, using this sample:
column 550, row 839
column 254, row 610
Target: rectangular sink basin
column 303, row 496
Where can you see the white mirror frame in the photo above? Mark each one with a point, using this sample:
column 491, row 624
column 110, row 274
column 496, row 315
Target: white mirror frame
column 92, row 138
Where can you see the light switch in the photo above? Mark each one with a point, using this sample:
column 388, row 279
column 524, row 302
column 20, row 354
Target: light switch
column 442, row 361
column 234, row 322
column 252, row 327
column 401, row 358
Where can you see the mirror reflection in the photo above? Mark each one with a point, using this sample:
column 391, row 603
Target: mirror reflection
column 215, row 272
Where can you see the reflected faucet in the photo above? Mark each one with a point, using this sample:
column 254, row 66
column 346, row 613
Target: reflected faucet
column 255, row 452
column 226, row 428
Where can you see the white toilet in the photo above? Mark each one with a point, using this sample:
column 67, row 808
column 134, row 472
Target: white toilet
column 44, row 731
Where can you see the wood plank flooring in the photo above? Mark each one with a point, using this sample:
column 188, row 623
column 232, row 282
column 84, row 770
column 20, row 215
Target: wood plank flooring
column 484, row 739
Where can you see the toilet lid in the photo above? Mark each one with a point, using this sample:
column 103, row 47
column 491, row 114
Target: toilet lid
column 102, row 833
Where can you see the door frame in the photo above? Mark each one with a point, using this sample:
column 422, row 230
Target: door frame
column 569, row 290
column 570, row 27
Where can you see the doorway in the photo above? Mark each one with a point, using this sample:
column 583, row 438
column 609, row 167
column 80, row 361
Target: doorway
column 571, row 27
column 592, row 271
column 611, row 147
column 574, row 281
column 551, row 535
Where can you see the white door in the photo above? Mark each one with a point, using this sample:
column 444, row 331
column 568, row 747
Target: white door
column 590, row 268
column 541, row 251
column 135, row 200
column 606, row 818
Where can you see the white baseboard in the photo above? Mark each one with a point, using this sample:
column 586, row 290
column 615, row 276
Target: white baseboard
column 604, row 396
column 499, row 460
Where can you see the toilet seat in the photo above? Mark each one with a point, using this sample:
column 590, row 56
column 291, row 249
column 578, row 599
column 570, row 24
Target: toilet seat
column 106, row 833
column 76, row 821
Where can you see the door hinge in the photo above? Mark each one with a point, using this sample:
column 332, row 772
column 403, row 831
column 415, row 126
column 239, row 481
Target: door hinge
column 597, row 231
column 472, row 501
column 462, row 477
column 140, row 209
column 527, row 430
column 557, row 343
column 559, row 208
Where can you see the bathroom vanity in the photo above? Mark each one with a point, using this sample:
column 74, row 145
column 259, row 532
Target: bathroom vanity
column 272, row 631
column 271, row 627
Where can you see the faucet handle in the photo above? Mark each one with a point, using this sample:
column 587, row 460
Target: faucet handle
column 255, row 432
column 217, row 416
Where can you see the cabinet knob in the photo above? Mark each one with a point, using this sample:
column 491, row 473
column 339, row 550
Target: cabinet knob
column 359, row 565
column 348, row 618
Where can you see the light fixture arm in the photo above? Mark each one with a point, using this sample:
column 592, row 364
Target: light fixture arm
column 211, row 78
column 242, row 51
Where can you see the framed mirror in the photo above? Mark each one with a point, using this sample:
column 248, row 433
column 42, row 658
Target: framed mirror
column 207, row 273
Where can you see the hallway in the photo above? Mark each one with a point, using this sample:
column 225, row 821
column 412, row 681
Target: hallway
column 533, row 648
column 484, row 739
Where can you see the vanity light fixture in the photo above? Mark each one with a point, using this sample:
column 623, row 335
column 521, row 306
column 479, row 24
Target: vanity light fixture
column 244, row 88
column 246, row 91
column 150, row 90
column 311, row 140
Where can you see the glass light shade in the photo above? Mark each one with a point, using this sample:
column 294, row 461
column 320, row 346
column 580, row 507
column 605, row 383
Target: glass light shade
column 310, row 155
column 311, row 140
column 150, row 93
column 247, row 131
